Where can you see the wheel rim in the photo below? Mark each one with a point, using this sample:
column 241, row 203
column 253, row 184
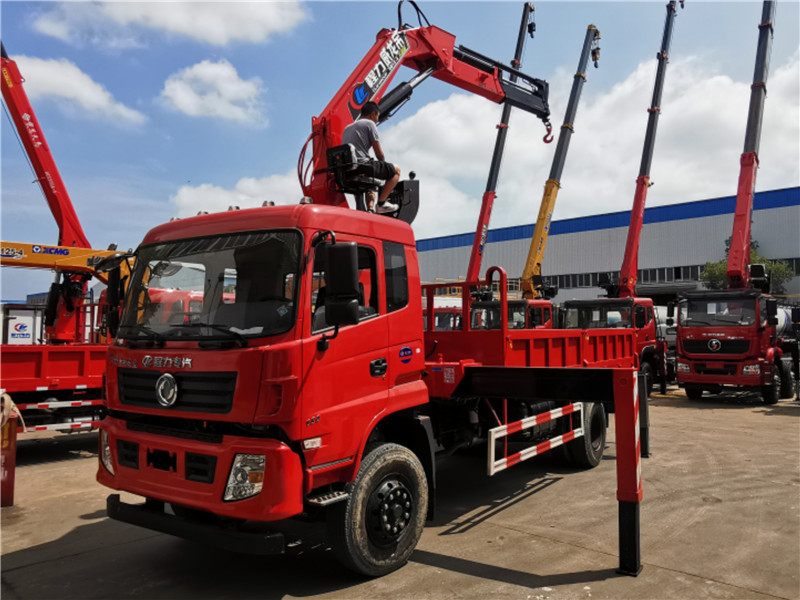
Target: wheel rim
column 389, row 512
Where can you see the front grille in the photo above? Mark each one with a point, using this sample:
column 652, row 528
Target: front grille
column 726, row 347
column 197, row 392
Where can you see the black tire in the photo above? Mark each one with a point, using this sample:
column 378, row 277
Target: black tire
column 647, row 370
column 693, row 392
column 787, row 382
column 587, row 450
column 771, row 393
column 377, row 528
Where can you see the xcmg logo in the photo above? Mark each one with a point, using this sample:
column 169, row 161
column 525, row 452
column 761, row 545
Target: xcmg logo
column 50, row 250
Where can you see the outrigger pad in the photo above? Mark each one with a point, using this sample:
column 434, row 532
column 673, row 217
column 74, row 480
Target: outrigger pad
column 406, row 196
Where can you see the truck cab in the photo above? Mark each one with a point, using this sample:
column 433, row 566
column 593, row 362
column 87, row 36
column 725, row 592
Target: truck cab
column 242, row 382
column 612, row 313
column 522, row 314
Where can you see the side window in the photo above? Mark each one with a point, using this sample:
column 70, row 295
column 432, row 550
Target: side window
column 394, row 264
column 534, row 317
column 546, row 315
column 367, row 283
column 641, row 319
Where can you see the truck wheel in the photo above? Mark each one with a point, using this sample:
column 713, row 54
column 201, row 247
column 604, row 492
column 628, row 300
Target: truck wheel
column 587, row 451
column 646, row 369
column 771, row 393
column 377, row 528
column 787, row 382
column 693, row 392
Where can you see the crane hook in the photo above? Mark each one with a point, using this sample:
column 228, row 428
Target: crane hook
column 548, row 137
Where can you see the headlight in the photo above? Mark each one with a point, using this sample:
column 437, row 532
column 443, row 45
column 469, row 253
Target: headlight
column 246, row 477
column 751, row 370
column 105, row 452
column 683, row 368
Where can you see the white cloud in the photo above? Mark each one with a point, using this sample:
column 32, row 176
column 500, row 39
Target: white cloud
column 698, row 144
column 214, row 89
column 449, row 145
column 109, row 24
column 248, row 192
column 73, row 89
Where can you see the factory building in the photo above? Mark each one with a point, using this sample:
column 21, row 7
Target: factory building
column 676, row 242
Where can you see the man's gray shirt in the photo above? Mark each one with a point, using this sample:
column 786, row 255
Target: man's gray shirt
column 361, row 134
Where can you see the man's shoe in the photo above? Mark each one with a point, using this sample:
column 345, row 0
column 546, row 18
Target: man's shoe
column 386, row 207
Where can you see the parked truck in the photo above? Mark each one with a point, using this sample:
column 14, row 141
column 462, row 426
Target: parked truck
column 740, row 337
column 306, row 386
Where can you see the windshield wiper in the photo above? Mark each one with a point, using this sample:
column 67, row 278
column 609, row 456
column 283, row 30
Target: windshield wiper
column 240, row 339
column 153, row 336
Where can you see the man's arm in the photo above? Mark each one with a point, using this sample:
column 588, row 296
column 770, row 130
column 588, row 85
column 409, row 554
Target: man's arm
column 376, row 148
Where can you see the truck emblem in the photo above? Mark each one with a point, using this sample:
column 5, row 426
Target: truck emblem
column 166, row 390
column 714, row 345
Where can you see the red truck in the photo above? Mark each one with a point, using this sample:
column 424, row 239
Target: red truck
column 740, row 337
column 316, row 392
column 280, row 404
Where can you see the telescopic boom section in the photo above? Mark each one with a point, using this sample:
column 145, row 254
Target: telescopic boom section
column 70, row 232
column 739, row 253
column 430, row 51
column 527, row 26
column 630, row 263
column 532, row 273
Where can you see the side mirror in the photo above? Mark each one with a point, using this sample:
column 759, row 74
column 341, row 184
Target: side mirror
column 772, row 311
column 341, row 281
column 671, row 310
column 113, row 298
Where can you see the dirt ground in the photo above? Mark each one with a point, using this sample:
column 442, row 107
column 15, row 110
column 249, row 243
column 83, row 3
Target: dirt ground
column 720, row 519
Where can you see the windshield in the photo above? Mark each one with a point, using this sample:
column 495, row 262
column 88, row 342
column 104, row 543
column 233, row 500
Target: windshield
column 709, row 312
column 227, row 286
column 602, row 316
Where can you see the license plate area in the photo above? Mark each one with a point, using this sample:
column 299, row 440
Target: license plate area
column 162, row 460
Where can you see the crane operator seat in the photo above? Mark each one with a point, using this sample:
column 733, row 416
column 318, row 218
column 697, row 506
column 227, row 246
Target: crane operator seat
column 352, row 176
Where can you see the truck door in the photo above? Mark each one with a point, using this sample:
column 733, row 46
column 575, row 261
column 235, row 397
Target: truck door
column 344, row 386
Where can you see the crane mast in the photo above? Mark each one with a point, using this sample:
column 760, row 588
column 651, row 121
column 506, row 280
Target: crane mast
column 527, row 26
column 70, row 231
column 738, row 272
column 63, row 318
column 630, row 263
column 531, row 282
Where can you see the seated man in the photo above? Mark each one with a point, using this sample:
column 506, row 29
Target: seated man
column 363, row 134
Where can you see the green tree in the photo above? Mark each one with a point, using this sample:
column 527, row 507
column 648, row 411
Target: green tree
column 715, row 274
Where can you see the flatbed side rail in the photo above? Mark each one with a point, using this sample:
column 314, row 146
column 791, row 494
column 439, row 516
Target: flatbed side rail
column 495, row 465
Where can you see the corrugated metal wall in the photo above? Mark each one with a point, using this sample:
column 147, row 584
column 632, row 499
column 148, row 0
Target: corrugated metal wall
column 691, row 233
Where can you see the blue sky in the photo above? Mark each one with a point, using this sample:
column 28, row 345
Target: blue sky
column 155, row 110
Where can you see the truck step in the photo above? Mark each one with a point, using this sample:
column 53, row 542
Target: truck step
column 328, row 498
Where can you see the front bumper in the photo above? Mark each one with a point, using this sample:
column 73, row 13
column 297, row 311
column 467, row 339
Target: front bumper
column 151, row 515
column 716, row 373
column 194, row 473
